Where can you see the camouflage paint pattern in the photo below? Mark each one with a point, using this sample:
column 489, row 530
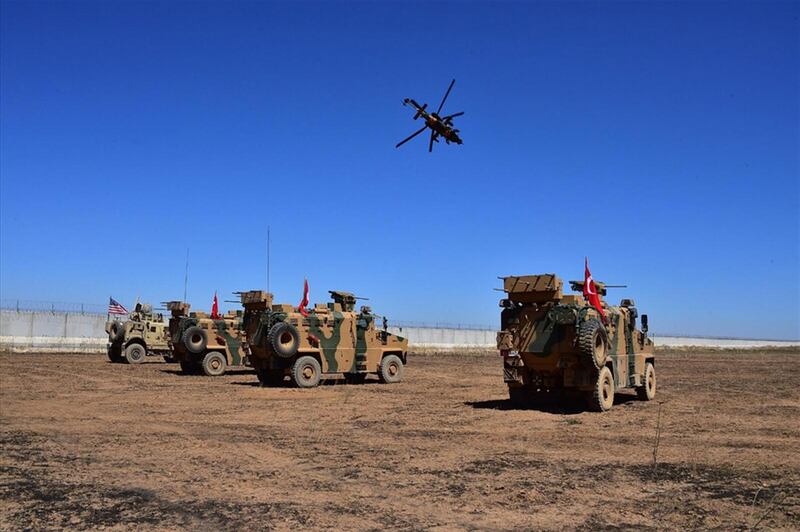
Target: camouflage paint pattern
column 341, row 339
column 224, row 335
column 539, row 337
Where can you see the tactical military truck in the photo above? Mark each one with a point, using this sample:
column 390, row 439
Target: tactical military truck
column 333, row 338
column 203, row 344
column 143, row 333
column 551, row 343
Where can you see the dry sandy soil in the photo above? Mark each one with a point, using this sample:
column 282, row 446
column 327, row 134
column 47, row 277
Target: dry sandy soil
column 90, row 444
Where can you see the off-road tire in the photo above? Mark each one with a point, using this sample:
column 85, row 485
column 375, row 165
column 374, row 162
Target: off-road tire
column 602, row 396
column 189, row 367
column 195, row 339
column 306, row 372
column 115, row 353
column 284, row 339
column 116, row 332
column 355, row 378
column 214, row 364
column 593, row 343
column 391, row 369
column 647, row 392
column 135, row 353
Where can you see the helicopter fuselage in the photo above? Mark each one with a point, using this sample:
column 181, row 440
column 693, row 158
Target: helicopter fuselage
column 435, row 123
column 443, row 130
column 440, row 125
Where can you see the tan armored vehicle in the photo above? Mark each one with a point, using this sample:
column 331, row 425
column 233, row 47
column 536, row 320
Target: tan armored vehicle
column 143, row 333
column 332, row 339
column 551, row 342
column 202, row 344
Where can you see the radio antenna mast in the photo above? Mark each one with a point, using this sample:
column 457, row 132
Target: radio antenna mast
column 268, row 230
column 186, row 276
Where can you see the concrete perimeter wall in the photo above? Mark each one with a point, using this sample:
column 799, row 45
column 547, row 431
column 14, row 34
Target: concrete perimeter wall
column 68, row 331
column 459, row 338
column 52, row 331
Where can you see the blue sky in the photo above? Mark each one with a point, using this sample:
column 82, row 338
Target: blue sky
column 661, row 140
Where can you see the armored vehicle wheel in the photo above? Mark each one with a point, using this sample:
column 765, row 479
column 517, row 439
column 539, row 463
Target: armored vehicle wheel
column 648, row 391
column 214, row 364
column 593, row 343
column 602, row 397
column 116, row 332
column 135, row 353
column 391, row 370
column 195, row 339
column 115, row 353
column 306, row 372
column 284, row 339
column 189, row 367
column 270, row 377
column 355, row 378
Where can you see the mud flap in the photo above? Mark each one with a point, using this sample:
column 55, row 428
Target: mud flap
column 512, row 368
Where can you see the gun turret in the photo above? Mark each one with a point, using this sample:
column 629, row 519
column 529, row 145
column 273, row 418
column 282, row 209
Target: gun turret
column 345, row 299
column 255, row 299
column 542, row 288
column 602, row 288
column 177, row 308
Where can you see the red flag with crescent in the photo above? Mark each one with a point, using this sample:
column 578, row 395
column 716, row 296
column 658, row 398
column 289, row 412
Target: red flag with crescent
column 590, row 291
column 215, row 308
column 304, row 303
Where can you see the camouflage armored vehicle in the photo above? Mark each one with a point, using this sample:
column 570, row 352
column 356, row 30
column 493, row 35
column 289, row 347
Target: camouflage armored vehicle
column 203, row 344
column 143, row 333
column 332, row 339
column 551, row 342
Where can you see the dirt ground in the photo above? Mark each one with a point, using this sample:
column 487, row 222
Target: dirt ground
column 90, row 444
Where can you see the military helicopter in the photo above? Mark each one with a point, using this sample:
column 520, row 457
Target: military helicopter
column 440, row 126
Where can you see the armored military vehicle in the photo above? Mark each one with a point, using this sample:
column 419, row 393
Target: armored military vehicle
column 143, row 333
column 330, row 339
column 551, row 342
column 204, row 344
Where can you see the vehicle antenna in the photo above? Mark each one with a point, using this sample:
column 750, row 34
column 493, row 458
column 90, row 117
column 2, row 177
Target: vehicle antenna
column 186, row 276
column 268, row 231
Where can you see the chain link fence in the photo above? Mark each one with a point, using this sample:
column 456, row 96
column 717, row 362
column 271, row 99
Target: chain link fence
column 442, row 325
column 30, row 305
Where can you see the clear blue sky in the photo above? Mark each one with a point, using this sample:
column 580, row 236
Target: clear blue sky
column 661, row 140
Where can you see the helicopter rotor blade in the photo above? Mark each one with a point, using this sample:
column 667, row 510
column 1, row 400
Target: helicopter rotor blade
column 446, row 94
column 433, row 137
column 448, row 117
column 410, row 137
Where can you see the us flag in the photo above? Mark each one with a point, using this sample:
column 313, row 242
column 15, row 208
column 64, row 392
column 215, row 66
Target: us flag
column 115, row 308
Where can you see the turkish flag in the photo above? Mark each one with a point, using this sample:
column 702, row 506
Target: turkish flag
column 215, row 308
column 304, row 303
column 590, row 291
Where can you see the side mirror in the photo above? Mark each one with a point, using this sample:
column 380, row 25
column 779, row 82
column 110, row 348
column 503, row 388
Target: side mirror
column 644, row 323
